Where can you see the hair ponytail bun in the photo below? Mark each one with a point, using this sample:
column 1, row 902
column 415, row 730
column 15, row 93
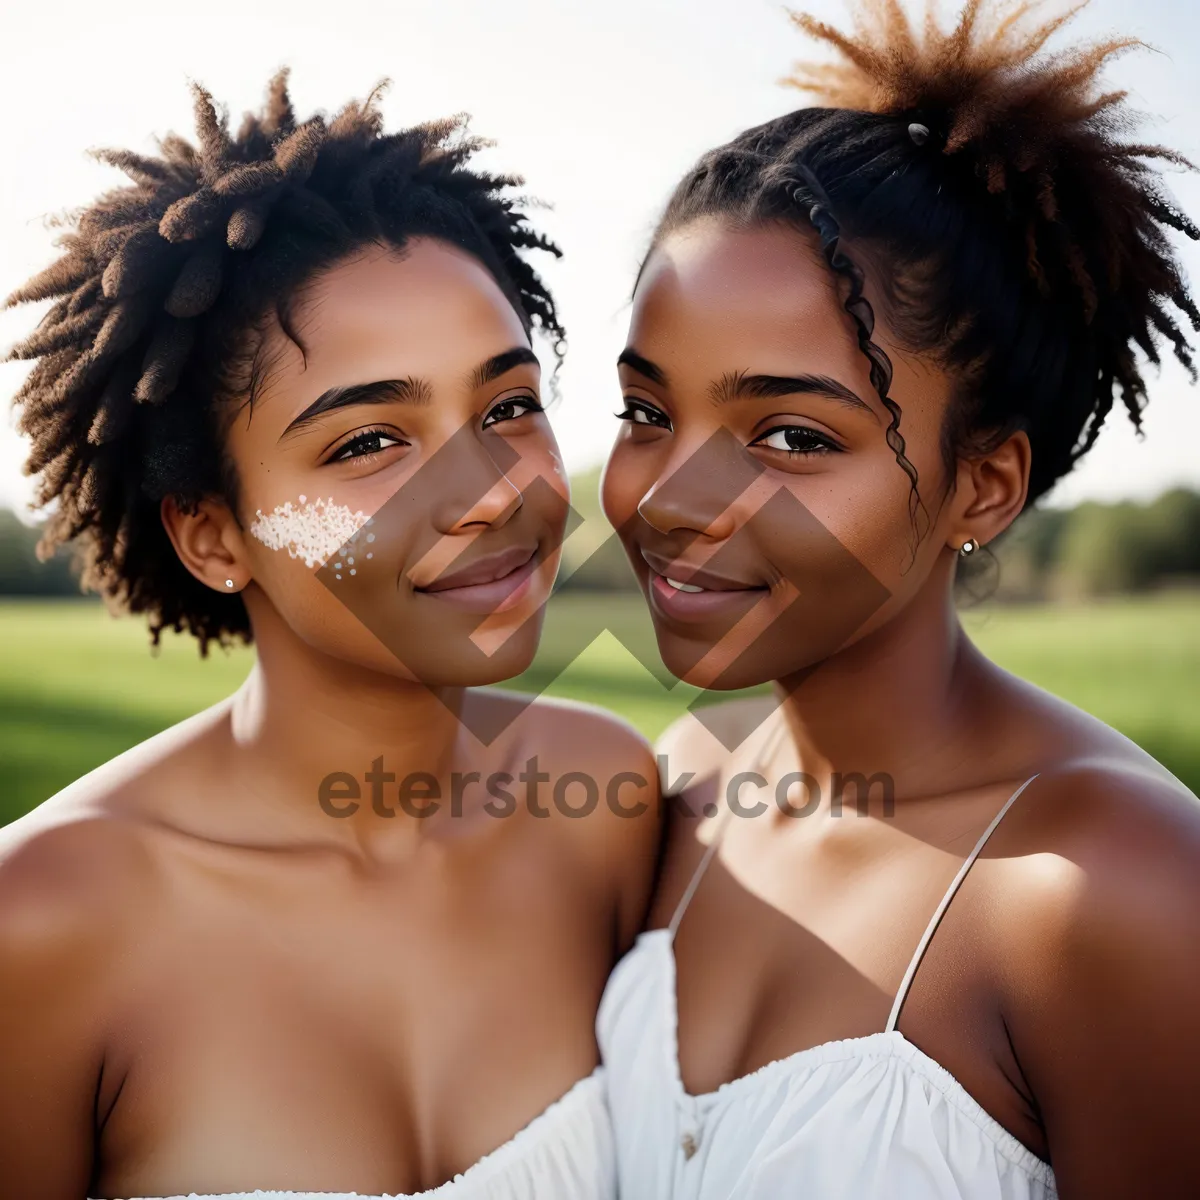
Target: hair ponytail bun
column 1035, row 127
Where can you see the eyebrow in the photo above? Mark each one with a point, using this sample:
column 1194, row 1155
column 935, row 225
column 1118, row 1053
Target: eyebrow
column 501, row 364
column 403, row 391
column 381, row 391
column 643, row 366
column 740, row 386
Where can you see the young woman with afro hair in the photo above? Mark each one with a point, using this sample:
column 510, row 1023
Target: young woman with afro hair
column 331, row 936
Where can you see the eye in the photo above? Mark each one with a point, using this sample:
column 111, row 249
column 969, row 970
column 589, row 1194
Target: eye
column 638, row 412
column 796, row 439
column 511, row 409
column 362, row 445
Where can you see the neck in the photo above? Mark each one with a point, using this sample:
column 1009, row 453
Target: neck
column 898, row 702
column 328, row 743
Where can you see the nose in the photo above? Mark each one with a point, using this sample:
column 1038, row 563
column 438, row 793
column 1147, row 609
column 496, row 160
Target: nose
column 700, row 488
column 473, row 489
column 495, row 507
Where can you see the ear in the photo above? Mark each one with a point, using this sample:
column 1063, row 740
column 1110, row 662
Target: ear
column 991, row 491
column 209, row 543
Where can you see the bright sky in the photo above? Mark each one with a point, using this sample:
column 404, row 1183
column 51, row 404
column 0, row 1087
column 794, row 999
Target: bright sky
column 601, row 105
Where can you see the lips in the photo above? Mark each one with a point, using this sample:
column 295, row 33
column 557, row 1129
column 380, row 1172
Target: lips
column 490, row 584
column 697, row 578
column 704, row 595
column 486, row 569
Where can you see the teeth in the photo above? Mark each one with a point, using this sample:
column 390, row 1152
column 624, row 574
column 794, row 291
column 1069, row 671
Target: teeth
column 682, row 587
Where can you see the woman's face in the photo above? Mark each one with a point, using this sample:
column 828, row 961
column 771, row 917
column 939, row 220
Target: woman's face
column 402, row 500
column 753, row 467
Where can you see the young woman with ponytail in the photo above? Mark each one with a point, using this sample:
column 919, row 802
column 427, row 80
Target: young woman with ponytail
column 954, row 955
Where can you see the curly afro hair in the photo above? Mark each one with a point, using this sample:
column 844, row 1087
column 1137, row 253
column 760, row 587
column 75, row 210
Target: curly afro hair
column 166, row 287
column 1016, row 234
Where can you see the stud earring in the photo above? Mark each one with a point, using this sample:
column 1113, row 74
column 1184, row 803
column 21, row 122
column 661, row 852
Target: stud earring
column 229, row 583
column 968, row 547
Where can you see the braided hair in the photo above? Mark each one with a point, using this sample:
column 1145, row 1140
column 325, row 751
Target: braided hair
column 1017, row 237
column 164, row 293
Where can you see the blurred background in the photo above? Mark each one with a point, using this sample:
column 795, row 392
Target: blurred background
column 1095, row 596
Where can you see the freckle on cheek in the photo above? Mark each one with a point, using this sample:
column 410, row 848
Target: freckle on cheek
column 313, row 531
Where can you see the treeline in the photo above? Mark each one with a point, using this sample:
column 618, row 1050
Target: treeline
column 1049, row 554
column 1099, row 550
column 21, row 573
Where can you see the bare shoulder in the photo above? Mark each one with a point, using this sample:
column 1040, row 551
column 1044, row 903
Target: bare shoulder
column 71, row 886
column 1105, row 867
column 69, row 867
column 1100, row 824
column 598, row 753
column 570, row 735
column 77, row 879
column 701, row 743
column 1110, row 815
column 1100, row 980
column 601, row 783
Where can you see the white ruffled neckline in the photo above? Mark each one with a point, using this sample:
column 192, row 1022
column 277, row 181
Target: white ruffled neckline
column 884, row 1044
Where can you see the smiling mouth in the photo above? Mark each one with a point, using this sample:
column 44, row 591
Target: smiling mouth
column 492, row 584
column 700, row 594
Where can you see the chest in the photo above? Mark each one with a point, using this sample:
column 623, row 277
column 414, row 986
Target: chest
column 322, row 1032
column 794, row 943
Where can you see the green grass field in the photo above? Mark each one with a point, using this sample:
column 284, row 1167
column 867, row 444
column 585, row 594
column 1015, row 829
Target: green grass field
column 77, row 687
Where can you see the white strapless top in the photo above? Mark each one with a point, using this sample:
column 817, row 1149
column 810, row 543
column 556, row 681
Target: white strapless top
column 566, row 1151
column 867, row 1118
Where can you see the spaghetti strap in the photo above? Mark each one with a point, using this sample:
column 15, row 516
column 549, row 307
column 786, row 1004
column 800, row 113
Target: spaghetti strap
column 769, row 746
column 940, row 911
column 697, row 875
